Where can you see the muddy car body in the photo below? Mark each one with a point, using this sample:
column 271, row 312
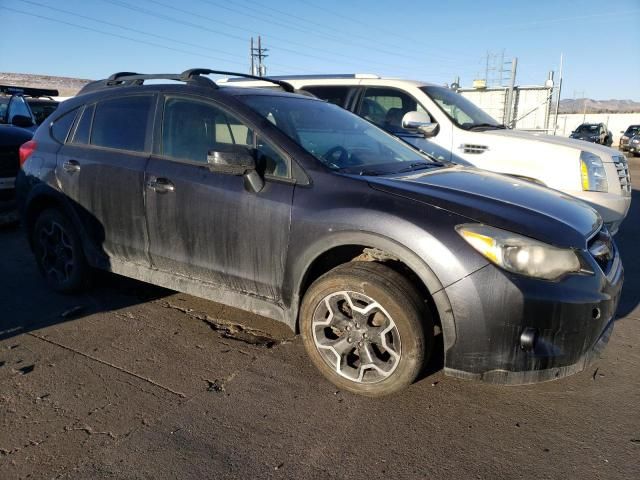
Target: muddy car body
column 291, row 214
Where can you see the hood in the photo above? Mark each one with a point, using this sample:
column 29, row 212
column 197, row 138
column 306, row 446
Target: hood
column 11, row 136
column 605, row 153
column 504, row 202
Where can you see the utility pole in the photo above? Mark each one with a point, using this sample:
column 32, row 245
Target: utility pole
column 258, row 54
column 509, row 109
column 555, row 123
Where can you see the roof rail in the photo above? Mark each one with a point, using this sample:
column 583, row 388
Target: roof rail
column 321, row 76
column 286, row 86
column 28, row 91
column 194, row 76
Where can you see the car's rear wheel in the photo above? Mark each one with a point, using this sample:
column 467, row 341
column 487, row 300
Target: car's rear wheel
column 58, row 251
column 366, row 328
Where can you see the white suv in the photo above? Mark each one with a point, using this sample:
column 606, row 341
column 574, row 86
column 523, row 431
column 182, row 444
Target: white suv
column 450, row 127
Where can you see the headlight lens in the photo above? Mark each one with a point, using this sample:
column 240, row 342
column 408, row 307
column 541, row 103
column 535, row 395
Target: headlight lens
column 592, row 173
column 635, row 140
column 520, row 254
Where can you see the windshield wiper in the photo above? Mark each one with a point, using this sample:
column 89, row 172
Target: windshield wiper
column 421, row 166
column 487, row 126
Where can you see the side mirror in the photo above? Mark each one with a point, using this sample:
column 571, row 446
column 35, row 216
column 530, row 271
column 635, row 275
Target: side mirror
column 236, row 160
column 420, row 122
column 22, row 121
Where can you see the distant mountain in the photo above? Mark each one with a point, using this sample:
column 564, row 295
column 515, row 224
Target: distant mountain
column 66, row 86
column 577, row 105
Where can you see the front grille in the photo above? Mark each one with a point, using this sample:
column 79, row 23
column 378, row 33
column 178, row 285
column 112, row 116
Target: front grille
column 9, row 163
column 623, row 174
column 602, row 249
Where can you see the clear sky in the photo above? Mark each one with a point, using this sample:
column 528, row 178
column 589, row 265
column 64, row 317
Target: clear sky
column 426, row 40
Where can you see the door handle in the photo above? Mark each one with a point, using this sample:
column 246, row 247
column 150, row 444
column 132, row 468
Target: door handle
column 71, row 166
column 161, row 185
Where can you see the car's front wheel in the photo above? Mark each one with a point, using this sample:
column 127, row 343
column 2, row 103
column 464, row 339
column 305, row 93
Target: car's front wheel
column 58, row 252
column 366, row 328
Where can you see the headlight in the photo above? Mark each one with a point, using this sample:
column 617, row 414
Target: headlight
column 635, row 140
column 594, row 178
column 520, row 254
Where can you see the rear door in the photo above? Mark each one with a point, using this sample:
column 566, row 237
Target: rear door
column 207, row 225
column 101, row 169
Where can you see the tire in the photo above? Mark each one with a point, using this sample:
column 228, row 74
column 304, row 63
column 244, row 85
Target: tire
column 59, row 254
column 392, row 328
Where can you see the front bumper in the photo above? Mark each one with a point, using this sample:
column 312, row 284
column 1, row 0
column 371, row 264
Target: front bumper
column 572, row 318
column 634, row 147
column 612, row 207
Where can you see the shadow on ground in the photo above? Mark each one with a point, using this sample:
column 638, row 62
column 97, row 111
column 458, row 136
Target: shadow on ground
column 28, row 304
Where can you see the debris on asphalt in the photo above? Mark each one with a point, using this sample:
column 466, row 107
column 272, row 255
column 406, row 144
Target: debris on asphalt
column 216, row 386
column 278, row 467
column 72, row 311
column 228, row 329
column 26, row 370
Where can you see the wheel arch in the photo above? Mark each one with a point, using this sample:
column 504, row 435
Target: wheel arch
column 325, row 254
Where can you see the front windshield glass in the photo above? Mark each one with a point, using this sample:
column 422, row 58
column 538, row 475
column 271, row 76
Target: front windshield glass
column 461, row 111
column 337, row 138
column 41, row 110
column 586, row 128
column 633, row 130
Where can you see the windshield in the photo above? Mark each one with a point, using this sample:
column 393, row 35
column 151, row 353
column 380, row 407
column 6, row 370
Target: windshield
column 42, row 109
column 464, row 113
column 339, row 139
column 586, row 128
column 4, row 103
column 631, row 131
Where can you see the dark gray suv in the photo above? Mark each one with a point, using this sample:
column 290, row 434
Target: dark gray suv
column 298, row 210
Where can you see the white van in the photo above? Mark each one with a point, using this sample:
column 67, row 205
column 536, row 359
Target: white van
column 450, row 127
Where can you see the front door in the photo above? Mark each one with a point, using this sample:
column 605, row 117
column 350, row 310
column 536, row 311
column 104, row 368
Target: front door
column 101, row 169
column 207, row 225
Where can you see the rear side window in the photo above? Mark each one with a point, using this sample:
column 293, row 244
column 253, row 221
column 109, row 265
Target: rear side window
column 60, row 128
column 81, row 135
column 336, row 95
column 121, row 123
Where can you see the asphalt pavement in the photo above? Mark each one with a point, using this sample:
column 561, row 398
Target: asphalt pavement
column 133, row 381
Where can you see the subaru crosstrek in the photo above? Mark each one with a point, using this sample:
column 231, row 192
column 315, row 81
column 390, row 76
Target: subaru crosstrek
column 298, row 210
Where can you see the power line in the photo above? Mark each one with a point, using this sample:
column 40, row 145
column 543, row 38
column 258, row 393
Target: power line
column 111, row 24
column 102, row 32
column 306, row 54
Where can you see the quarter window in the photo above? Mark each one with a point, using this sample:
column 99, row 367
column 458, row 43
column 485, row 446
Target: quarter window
column 60, row 128
column 121, row 123
column 191, row 128
column 386, row 106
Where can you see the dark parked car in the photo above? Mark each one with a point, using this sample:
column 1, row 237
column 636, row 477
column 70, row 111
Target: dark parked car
column 18, row 121
column 593, row 132
column 298, row 210
column 629, row 133
column 634, row 145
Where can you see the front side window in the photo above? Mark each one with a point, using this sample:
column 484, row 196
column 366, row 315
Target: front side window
column 386, row 106
column 121, row 123
column 337, row 138
column 17, row 106
column 191, row 128
column 464, row 113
